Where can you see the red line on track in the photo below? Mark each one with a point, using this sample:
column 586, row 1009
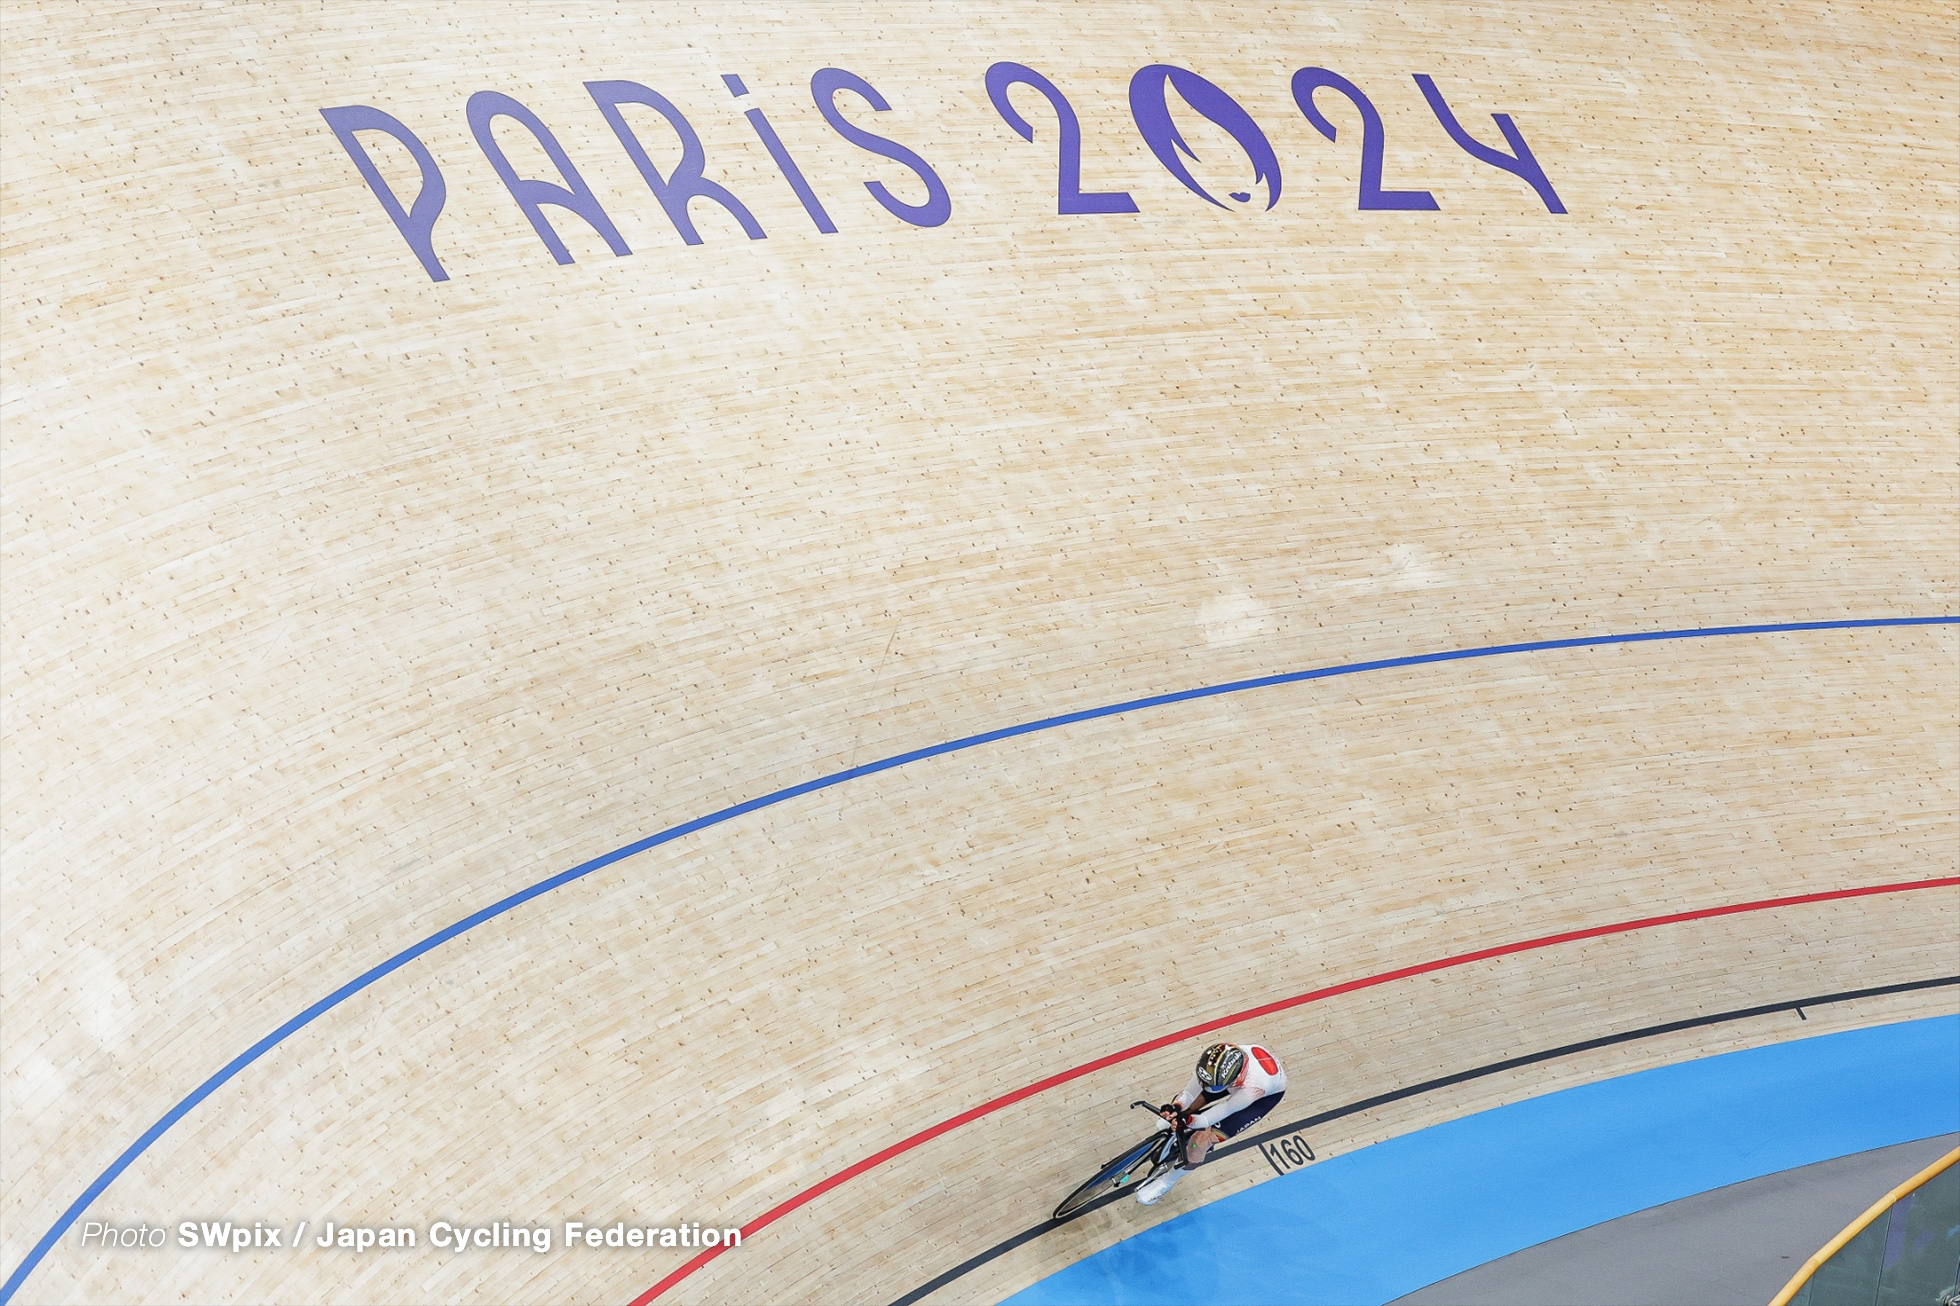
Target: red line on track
column 777, row 1212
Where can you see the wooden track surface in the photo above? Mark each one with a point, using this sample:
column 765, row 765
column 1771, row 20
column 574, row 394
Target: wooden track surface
column 340, row 603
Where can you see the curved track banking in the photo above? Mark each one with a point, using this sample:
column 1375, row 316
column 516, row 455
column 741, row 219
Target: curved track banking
column 352, row 987
column 1263, row 1136
column 348, row 612
column 1387, row 977
column 1380, row 1222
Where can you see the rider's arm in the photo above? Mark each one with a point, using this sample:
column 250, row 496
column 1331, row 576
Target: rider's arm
column 1192, row 1092
column 1237, row 1099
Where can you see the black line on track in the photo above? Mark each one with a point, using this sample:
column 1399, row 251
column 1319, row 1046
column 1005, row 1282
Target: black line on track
column 1033, row 1232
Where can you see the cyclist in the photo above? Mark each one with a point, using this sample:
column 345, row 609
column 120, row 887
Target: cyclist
column 1233, row 1089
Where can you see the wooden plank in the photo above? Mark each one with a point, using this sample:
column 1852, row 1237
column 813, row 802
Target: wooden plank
column 340, row 603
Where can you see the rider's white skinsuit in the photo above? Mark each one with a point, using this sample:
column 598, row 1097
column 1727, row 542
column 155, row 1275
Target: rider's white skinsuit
column 1263, row 1076
column 1262, row 1080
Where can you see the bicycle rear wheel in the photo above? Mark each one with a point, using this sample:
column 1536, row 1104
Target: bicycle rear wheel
column 1114, row 1175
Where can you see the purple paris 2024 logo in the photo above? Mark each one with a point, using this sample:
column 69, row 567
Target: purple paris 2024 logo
column 1151, row 108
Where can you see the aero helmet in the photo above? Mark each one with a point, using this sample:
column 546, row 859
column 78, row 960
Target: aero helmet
column 1220, row 1065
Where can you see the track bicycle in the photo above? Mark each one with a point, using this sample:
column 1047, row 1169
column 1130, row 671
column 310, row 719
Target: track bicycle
column 1136, row 1165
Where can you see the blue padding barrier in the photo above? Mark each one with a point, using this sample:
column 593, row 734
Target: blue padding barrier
column 1374, row 1224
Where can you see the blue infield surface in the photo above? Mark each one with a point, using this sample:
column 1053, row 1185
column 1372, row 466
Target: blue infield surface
column 1374, row 1224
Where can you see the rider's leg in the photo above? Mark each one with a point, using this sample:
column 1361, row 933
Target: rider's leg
column 1198, row 1145
column 1200, row 1142
column 1153, row 1189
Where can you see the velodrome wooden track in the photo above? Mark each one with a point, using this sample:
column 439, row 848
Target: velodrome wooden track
column 341, row 603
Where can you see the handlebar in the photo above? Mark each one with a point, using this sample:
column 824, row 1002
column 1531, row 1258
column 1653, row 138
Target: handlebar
column 1183, row 1117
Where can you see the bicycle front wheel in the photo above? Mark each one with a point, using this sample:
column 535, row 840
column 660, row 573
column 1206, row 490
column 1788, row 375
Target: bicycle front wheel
column 1116, row 1174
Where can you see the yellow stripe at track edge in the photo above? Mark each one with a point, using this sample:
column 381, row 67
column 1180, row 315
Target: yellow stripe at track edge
column 1857, row 1227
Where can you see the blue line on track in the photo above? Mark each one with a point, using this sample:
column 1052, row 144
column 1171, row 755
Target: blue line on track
column 515, row 900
